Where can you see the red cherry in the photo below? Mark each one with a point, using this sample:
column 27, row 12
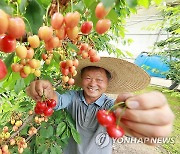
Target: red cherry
column 101, row 11
column 65, row 71
column 3, row 21
column 115, row 131
column 106, row 118
column 91, row 52
column 72, row 19
column 41, row 105
column 16, row 27
column 95, row 58
column 51, row 103
column 86, row 27
column 84, row 46
column 3, row 70
column 57, row 20
column 37, row 110
column 63, row 64
column 75, row 62
column 48, row 111
column 7, row 44
column 103, row 26
column 71, row 81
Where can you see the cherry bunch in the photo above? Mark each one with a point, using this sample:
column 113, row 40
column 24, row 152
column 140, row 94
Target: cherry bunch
column 16, row 121
column 45, row 107
column 68, row 70
column 108, row 119
column 62, row 29
column 11, row 137
column 103, row 24
column 20, row 142
column 27, row 63
column 5, row 134
column 86, row 51
column 11, row 28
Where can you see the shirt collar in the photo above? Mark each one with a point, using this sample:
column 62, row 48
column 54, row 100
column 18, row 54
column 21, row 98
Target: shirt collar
column 98, row 102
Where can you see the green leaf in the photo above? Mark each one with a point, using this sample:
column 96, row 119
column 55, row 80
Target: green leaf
column 26, row 150
column 8, row 61
column 53, row 150
column 49, row 131
column 58, row 149
column 24, row 130
column 79, row 7
column 45, row 152
column 93, row 16
column 4, row 6
column 10, row 80
column 39, row 140
column 131, row 3
column 34, row 15
column 70, row 120
column 29, row 79
column 45, row 3
column 64, row 135
column 19, row 85
column 59, row 116
column 56, row 56
column 144, row 3
column 68, row 132
column 157, row 1
column 72, row 46
column 121, row 32
column 60, row 128
column 108, row 3
column 43, row 132
column 41, row 148
column 46, row 132
column 129, row 54
column 88, row 3
column 113, row 15
column 22, row 5
column 119, row 52
column 76, row 135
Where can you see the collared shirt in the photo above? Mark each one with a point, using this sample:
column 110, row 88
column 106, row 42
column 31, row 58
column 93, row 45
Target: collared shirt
column 94, row 138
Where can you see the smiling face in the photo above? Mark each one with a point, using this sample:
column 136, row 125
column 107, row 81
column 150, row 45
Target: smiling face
column 94, row 83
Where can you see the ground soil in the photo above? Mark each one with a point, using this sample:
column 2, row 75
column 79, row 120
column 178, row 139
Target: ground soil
column 120, row 148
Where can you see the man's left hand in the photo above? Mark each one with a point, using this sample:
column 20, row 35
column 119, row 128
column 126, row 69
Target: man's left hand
column 147, row 115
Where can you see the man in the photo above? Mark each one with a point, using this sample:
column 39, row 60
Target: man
column 147, row 115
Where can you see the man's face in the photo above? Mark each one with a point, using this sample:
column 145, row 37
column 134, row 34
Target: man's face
column 94, row 83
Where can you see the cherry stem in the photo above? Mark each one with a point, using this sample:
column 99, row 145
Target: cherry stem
column 120, row 116
column 43, row 97
column 58, row 6
column 120, row 104
column 28, row 24
column 71, row 5
column 17, row 6
column 46, row 15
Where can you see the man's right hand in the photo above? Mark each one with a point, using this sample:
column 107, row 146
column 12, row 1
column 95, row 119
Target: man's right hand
column 38, row 88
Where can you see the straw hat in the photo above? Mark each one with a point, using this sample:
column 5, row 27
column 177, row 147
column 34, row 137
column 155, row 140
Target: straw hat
column 125, row 76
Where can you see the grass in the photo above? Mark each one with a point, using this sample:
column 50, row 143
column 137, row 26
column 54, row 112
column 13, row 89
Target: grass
column 173, row 98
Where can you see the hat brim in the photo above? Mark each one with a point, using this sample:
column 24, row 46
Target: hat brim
column 125, row 76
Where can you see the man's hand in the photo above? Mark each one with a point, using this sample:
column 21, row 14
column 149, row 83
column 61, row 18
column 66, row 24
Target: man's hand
column 147, row 115
column 38, row 88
